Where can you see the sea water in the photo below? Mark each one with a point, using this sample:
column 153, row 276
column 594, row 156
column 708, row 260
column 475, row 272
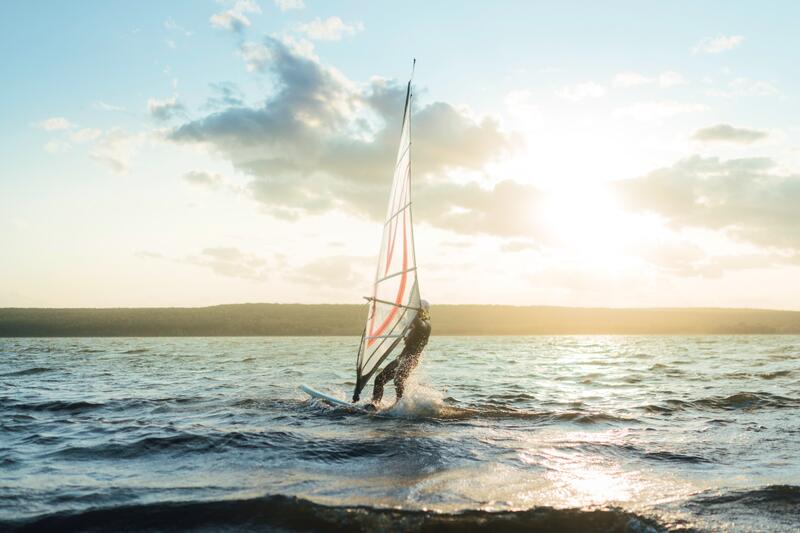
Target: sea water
column 585, row 433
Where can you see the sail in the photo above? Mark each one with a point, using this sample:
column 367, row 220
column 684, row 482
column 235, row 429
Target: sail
column 395, row 294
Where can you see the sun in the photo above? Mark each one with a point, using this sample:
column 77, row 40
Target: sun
column 588, row 221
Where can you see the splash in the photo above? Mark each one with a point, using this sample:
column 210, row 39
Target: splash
column 419, row 401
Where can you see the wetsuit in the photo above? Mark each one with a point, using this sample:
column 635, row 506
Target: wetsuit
column 401, row 368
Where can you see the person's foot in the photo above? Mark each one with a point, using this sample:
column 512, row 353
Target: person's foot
column 371, row 407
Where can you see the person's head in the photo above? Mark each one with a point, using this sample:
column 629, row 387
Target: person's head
column 424, row 310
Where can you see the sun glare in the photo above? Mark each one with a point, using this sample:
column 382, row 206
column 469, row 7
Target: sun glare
column 587, row 221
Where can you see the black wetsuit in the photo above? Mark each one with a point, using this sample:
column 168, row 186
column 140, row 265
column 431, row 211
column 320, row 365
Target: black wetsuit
column 401, row 368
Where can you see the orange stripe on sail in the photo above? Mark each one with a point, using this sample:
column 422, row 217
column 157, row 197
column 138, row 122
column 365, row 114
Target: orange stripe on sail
column 400, row 292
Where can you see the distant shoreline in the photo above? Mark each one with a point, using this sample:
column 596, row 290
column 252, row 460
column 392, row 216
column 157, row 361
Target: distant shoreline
column 348, row 320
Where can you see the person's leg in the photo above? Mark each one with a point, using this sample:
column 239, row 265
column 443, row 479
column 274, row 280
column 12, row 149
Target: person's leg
column 404, row 369
column 387, row 374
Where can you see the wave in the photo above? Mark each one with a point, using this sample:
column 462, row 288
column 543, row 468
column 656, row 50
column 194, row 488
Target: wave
column 58, row 406
column 781, row 494
column 28, row 372
column 447, row 411
column 133, row 351
column 607, row 449
column 428, row 405
column 287, row 513
column 745, row 401
column 778, row 502
column 180, row 443
column 81, row 407
column 776, row 374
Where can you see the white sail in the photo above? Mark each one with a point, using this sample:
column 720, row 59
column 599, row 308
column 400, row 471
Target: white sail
column 395, row 295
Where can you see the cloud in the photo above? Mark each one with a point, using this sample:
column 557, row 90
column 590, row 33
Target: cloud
column 321, row 142
column 581, row 91
column 231, row 262
column 745, row 87
column 226, row 94
column 235, row 18
column 658, row 110
column 634, row 79
column 165, row 109
column 256, row 56
column 55, row 124
column 747, row 198
column 103, row 106
column 330, row 29
column 518, row 246
column 286, row 5
column 115, row 149
column 170, row 25
column 86, row 135
column 631, row 79
column 339, row 272
column 509, row 208
column 670, row 79
column 458, row 244
column 727, row 133
column 226, row 261
column 204, row 179
column 56, row 146
column 686, row 259
column 748, row 87
column 715, row 45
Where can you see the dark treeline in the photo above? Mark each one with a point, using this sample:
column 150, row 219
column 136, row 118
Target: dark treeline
column 298, row 319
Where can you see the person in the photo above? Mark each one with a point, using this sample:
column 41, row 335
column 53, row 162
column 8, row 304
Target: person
column 399, row 369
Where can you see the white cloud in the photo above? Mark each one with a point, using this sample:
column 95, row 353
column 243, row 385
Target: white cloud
column 748, row 198
column 286, row 5
column 116, row 149
column 307, row 149
column 745, row 87
column 748, row 87
column 518, row 246
column 581, row 91
column 255, row 55
column 204, row 179
column 670, row 78
column 55, row 123
column 631, row 79
column 715, row 45
column 635, row 79
column 727, row 133
column 330, row 29
column 340, row 271
column 56, row 146
column 223, row 260
column 235, row 18
column 103, row 106
column 165, row 109
column 658, row 110
column 170, row 24
column 86, row 135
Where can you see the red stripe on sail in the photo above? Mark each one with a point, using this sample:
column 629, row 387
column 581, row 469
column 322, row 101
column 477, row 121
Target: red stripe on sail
column 390, row 245
column 393, row 223
column 400, row 292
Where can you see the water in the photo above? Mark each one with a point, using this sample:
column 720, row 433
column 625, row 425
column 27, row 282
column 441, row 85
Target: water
column 556, row 433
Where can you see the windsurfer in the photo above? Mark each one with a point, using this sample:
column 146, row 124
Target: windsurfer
column 399, row 369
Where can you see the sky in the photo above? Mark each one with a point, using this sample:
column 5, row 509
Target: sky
column 620, row 154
